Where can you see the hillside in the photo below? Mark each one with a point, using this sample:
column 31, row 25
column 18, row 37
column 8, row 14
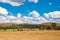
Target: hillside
column 44, row 26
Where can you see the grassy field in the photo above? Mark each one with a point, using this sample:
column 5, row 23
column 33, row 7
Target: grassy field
column 30, row 35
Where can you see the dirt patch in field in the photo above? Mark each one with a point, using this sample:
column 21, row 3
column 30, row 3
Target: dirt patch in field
column 30, row 35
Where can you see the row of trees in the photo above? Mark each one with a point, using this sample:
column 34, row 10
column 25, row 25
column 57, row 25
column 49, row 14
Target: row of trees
column 53, row 26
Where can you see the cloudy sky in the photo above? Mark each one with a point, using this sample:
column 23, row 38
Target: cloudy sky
column 29, row 11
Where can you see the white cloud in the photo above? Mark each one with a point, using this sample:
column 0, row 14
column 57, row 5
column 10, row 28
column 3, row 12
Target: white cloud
column 18, row 21
column 26, row 19
column 17, row 2
column 35, row 1
column 11, row 17
column 46, row 15
column 41, row 20
column 13, row 2
column 34, row 14
column 19, row 15
column 34, row 20
column 3, row 11
column 33, row 17
column 2, row 18
column 53, row 16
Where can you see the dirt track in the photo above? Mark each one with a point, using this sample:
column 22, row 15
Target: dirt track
column 30, row 35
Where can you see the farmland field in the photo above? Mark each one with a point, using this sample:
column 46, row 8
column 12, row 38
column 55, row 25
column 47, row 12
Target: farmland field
column 30, row 35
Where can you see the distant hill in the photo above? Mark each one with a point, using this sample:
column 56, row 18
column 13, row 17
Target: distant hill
column 43, row 26
column 7, row 24
column 47, row 23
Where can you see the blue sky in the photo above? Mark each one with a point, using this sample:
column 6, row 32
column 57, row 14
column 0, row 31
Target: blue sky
column 40, row 6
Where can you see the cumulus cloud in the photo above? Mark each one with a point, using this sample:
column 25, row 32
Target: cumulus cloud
column 3, row 11
column 13, row 2
column 11, row 17
column 35, row 1
column 17, row 2
column 33, row 17
column 19, row 15
column 2, row 18
column 34, row 14
column 53, row 16
column 46, row 15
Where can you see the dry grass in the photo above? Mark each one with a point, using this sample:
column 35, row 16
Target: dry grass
column 30, row 35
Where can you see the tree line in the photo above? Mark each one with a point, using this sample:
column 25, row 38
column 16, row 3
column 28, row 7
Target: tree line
column 53, row 26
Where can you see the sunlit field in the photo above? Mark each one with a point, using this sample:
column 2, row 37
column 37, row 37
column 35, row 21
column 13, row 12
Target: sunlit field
column 30, row 35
